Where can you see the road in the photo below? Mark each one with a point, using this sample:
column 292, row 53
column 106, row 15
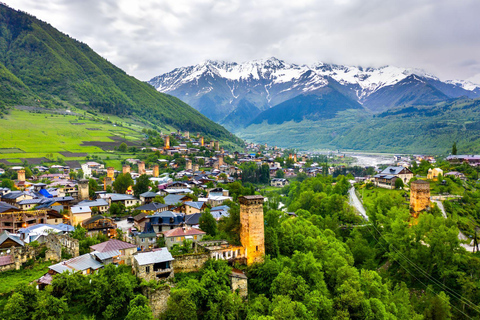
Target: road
column 355, row 202
column 461, row 236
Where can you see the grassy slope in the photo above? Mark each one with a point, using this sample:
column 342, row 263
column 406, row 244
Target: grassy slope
column 41, row 66
column 431, row 129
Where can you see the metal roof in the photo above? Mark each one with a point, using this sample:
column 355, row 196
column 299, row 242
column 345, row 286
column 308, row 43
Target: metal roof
column 93, row 203
column 106, row 255
column 112, row 244
column 157, row 256
column 7, row 235
column 82, row 209
column 84, row 262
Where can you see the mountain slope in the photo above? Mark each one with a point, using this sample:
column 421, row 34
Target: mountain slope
column 216, row 88
column 324, row 104
column 41, row 66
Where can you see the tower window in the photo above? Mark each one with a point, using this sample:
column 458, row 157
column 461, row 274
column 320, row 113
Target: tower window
column 256, row 248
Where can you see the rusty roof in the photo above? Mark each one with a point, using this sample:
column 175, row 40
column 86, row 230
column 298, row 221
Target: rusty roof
column 181, row 231
column 111, row 245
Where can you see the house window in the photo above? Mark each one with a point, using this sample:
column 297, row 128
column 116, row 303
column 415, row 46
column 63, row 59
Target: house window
column 194, row 237
column 143, row 239
column 147, row 269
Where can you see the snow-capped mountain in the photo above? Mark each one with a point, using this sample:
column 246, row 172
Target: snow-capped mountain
column 235, row 93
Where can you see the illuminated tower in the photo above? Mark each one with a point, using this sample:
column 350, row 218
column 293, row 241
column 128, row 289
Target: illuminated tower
column 156, row 170
column 419, row 197
column 252, row 228
column 167, row 142
column 21, row 175
column 126, row 169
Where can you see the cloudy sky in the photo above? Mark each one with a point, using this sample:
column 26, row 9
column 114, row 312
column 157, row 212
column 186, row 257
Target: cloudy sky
column 150, row 37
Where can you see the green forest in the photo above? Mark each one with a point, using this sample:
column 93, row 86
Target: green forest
column 323, row 263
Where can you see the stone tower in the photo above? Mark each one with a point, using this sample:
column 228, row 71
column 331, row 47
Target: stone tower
column 419, row 196
column 252, row 228
column 188, row 164
column 289, row 156
column 111, row 172
column 295, row 158
column 83, row 190
column 126, row 169
column 156, row 170
column 220, row 160
column 187, row 135
column 167, row 142
column 21, row 175
column 217, row 146
column 202, row 141
column 141, row 168
column 107, row 182
column 196, row 167
column 212, row 144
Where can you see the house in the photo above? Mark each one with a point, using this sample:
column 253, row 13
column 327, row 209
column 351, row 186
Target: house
column 8, row 240
column 386, row 181
column 79, row 214
column 278, row 182
column 125, row 199
column 146, row 240
column 126, row 250
column 434, row 173
column 162, row 221
column 178, row 235
column 14, row 197
column 400, row 172
column 220, row 211
column 84, row 264
column 193, row 220
column 455, row 174
column 153, row 265
column 98, row 205
column 38, row 232
column 147, row 197
column 99, row 224
column 152, row 207
column 473, row 160
column 191, row 207
column 174, row 199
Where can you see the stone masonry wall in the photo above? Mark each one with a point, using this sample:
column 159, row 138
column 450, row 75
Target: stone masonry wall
column 157, row 299
column 189, row 263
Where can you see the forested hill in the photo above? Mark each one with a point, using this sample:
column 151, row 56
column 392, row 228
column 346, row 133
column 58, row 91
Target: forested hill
column 41, row 66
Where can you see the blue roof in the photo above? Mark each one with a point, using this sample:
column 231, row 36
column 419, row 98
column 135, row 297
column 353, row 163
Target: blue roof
column 227, row 208
column 62, row 227
column 45, row 193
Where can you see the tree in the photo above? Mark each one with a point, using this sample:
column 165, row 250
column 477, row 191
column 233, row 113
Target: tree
column 117, row 209
column 279, row 174
column 7, row 183
column 208, row 223
column 123, row 147
column 181, row 306
column 399, row 184
column 454, row 148
column 138, row 309
column 142, row 185
column 159, row 199
column 122, row 182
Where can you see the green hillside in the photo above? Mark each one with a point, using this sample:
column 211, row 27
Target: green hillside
column 414, row 129
column 40, row 66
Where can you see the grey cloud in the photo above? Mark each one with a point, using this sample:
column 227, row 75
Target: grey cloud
column 150, row 37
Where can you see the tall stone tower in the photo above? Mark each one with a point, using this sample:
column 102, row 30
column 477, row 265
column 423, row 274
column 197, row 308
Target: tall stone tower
column 217, row 146
column 220, row 160
column 21, row 175
column 167, row 142
column 187, row 135
column 295, row 158
column 212, row 144
column 111, row 172
column 156, row 170
column 252, row 234
column 141, row 168
column 83, row 190
column 419, row 197
column 196, row 167
column 202, row 141
column 188, row 164
column 126, row 169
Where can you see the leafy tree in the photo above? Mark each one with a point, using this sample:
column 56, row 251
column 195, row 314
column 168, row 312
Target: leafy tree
column 399, row 184
column 122, row 182
column 142, row 185
column 180, row 305
column 159, row 199
column 7, row 183
column 92, row 187
column 123, row 147
column 208, row 223
column 117, row 209
column 454, row 148
column 279, row 174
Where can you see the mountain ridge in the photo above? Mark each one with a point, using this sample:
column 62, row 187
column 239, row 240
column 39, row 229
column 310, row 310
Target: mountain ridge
column 216, row 88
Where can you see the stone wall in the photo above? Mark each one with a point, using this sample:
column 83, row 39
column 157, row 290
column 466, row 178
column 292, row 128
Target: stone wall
column 19, row 255
column 157, row 299
column 240, row 284
column 189, row 263
column 55, row 243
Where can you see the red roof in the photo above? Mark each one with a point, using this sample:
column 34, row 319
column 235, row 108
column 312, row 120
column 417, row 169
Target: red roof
column 111, row 245
column 46, row 279
column 182, row 231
